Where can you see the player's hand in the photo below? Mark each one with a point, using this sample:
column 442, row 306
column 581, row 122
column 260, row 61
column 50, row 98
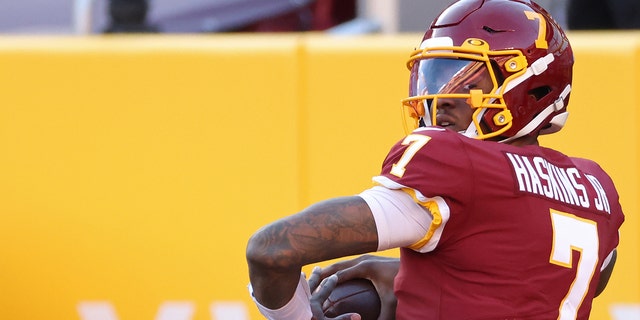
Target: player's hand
column 320, row 294
column 380, row 270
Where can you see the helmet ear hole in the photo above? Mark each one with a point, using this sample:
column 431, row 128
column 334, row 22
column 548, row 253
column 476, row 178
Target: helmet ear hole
column 540, row 92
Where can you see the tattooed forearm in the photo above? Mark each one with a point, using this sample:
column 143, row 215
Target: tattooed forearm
column 329, row 229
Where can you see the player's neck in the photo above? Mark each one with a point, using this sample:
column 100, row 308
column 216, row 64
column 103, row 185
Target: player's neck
column 525, row 141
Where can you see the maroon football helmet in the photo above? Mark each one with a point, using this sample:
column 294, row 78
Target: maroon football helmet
column 508, row 59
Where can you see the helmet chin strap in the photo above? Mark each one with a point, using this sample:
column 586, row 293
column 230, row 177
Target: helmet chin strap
column 472, row 131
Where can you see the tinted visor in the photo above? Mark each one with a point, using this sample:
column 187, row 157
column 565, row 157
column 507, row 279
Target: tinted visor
column 449, row 76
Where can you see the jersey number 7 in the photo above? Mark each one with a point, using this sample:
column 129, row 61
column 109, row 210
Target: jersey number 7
column 572, row 233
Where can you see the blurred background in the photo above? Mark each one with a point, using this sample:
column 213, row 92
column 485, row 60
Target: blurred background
column 197, row 16
column 206, row 16
column 143, row 142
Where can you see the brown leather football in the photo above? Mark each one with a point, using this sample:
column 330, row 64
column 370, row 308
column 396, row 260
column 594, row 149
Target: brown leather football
column 357, row 295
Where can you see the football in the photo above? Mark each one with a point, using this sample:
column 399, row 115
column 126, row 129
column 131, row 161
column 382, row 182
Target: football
column 357, row 295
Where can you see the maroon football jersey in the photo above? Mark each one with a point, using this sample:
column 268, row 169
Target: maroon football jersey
column 522, row 232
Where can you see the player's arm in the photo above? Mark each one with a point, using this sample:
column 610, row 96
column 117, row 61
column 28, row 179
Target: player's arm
column 327, row 230
column 605, row 274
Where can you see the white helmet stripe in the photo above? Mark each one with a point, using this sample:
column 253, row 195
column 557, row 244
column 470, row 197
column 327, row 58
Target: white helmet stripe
column 536, row 68
column 437, row 42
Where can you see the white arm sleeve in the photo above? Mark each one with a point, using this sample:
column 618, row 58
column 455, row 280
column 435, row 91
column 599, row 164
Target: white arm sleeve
column 297, row 308
column 401, row 222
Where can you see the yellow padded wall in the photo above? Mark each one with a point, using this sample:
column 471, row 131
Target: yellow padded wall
column 353, row 88
column 134, row 169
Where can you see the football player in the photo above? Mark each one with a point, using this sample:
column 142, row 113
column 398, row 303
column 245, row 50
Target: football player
column 490, row 224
